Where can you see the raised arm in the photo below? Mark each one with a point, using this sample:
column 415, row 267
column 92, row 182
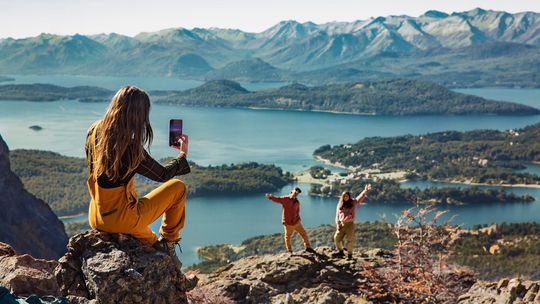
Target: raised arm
column 360, row 198
column 152, row 169
column 276, row 199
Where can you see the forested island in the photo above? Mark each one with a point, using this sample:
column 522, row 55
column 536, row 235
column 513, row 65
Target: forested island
column 384, row 97
column 49, row 92
column 493, row 252
column 61, row 180
column 479, row 156
column 390, row 191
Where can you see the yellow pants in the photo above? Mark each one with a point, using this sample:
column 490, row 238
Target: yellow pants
column 289, row 229
column 346, row 229
column 118, row 210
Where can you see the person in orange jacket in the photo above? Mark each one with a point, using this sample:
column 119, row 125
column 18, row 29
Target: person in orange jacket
column 290, row 218
column 115, row 150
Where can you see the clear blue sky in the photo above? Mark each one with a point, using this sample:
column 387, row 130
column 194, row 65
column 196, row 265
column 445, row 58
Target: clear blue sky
column 23, row 18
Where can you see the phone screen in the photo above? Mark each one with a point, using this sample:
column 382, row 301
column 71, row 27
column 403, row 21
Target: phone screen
column 175, row 131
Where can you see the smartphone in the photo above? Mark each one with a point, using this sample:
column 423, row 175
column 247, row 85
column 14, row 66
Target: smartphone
column 175, row 131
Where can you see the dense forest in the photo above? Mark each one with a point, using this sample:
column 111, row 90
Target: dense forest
column 480, row 156
column 517, row 253
column 384, row 97
column 390, row 191
column 58, row 180
column 61, row 181
column 49, row 92
column 318, row 172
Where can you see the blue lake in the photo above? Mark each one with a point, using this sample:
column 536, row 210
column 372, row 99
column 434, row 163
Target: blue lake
column 284, row 138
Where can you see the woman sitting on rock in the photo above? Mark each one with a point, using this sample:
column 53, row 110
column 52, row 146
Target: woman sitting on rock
column 115, row 151
column 345, row 214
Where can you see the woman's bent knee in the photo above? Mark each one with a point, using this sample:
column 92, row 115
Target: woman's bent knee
column 177, row 185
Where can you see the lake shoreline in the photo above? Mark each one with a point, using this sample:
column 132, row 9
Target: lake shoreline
column 317, row 111
column 530, row 186
column 328, row 162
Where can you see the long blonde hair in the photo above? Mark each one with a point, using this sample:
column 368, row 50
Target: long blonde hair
column 123, row 132
column 345, row 203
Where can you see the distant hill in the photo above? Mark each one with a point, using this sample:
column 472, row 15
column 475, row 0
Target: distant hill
column 46, row 52
column 473, row 48
column 389, row 97
column 49, row 92
column 249, row 70
column 219, row 88
column 189, row 64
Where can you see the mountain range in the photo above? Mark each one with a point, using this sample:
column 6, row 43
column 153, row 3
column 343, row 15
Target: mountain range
column 479, row 47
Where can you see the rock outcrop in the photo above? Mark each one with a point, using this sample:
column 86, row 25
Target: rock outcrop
column 27, row 223
column 24, row 275
column 300, row 278
column 98, row 267
column 116, row 268
column 506, row 291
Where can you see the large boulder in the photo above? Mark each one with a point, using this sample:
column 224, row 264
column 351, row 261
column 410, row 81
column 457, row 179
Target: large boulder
column 23, row 275
column 117, row 268
column 26, row 222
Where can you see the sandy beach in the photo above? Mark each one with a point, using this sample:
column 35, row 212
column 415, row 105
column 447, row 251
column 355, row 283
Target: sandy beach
column 305, row 177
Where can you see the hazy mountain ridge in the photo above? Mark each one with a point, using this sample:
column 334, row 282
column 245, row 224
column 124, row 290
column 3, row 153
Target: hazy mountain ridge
column 289, row 45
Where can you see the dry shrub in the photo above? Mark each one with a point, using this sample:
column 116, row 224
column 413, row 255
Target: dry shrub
column 419, row 271
column 207, row 295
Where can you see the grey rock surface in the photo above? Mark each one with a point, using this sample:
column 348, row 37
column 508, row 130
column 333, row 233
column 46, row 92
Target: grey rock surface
column 117, row 268
column 26, row 222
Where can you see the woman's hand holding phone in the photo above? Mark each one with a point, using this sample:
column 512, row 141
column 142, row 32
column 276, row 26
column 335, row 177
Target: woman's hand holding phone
column 182, row 146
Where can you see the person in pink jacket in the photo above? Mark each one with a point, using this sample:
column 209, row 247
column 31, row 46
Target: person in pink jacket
column 345, row 214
